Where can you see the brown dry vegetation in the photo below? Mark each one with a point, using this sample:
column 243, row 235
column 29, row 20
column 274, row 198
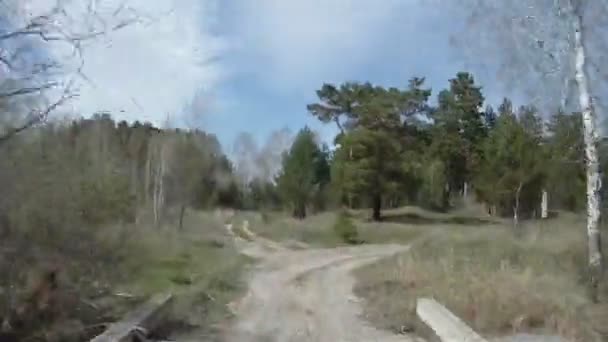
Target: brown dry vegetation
column 497, row 281
column 128, row 264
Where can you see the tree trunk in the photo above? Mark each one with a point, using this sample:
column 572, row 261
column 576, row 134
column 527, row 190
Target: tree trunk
column 544, row 205
column 148, row 177
column 159, row 191
column 376, row 207
column 465, row 190
column 155, row 199
column 134, row 192
column 516, row 206
column 182, row 211
column 593, row 177
column 491, row 209
column 446, row 196
column 299, row 211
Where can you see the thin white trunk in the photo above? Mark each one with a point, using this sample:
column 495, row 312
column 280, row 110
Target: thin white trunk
column 148, row 177
column 544, row 205
column 516, row 206
column 591, row 141
column 161, row 188
column 157, row 171
column 465, row 190
column 158, row 185
column 155, row 197
column 134, row 191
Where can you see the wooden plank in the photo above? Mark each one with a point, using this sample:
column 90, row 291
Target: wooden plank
column 445, row 324
column 148, row 316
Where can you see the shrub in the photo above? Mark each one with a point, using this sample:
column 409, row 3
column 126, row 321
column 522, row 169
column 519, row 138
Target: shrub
column 346, row 229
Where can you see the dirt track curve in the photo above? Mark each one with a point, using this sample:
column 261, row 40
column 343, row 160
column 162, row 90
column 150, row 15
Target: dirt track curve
column 306, row 295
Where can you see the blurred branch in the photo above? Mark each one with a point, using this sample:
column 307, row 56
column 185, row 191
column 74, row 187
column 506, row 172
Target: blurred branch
column 37, row 117
column 52, row 27
column 36, row 77
column 27, row 90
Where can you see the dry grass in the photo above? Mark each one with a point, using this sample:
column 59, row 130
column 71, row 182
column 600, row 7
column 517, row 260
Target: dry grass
column 200, row 264
column 317, row 230
column 496, row 281
column 112, row 269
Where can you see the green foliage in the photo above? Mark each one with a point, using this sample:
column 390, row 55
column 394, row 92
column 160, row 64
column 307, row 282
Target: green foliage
column 105, row 200
column 368, row 162
column 393, row 148
column 513, row 164
column 92, row 172
column 346, row 230
column 261, row 195
column 566, row 165
column 460, row 127
column 304, row 173
column 434, row 193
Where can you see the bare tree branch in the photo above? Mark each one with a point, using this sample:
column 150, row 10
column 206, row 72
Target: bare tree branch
column 28, row 90
column 37, row 117
column 54, row 26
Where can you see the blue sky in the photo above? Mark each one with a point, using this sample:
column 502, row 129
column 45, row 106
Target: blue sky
column 285, row 50
column 232, row 66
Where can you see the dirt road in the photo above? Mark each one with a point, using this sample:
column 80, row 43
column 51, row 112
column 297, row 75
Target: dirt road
column 306, row 295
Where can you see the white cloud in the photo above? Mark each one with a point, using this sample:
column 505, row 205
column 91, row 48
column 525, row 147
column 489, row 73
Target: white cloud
column 146, row 71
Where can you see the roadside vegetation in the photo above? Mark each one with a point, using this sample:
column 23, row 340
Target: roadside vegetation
column 498, row 280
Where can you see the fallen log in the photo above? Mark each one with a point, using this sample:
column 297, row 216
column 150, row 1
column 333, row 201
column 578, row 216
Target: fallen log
column 144, row 319
column 445, row 324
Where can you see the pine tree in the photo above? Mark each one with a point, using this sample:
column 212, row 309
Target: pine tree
column 459, row 128
column 300, row 172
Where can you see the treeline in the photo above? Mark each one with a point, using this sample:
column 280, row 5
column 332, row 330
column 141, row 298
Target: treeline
column 394, row 148
column 60, row 178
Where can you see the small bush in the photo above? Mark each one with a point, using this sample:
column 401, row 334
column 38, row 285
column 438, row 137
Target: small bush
column 346, row 229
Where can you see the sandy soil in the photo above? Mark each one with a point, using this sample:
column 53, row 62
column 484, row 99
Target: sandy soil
column 306, row 295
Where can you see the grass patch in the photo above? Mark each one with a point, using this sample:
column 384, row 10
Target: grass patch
column 318, row 230
column 110, row 271
column 199, row 264
column 498, row 283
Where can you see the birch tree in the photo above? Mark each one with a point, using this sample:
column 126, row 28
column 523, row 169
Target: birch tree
column 158, row 157
column 551, row 49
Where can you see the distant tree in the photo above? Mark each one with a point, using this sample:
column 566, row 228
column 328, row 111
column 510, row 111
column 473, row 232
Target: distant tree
column 367, row 165
column 299, row 175
column 459, row 129
column 531, row 122
column 186, row 174
column 489, row 117
column 322, row 178
column 512, row 164
column 371, row 165
column 566, row 165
